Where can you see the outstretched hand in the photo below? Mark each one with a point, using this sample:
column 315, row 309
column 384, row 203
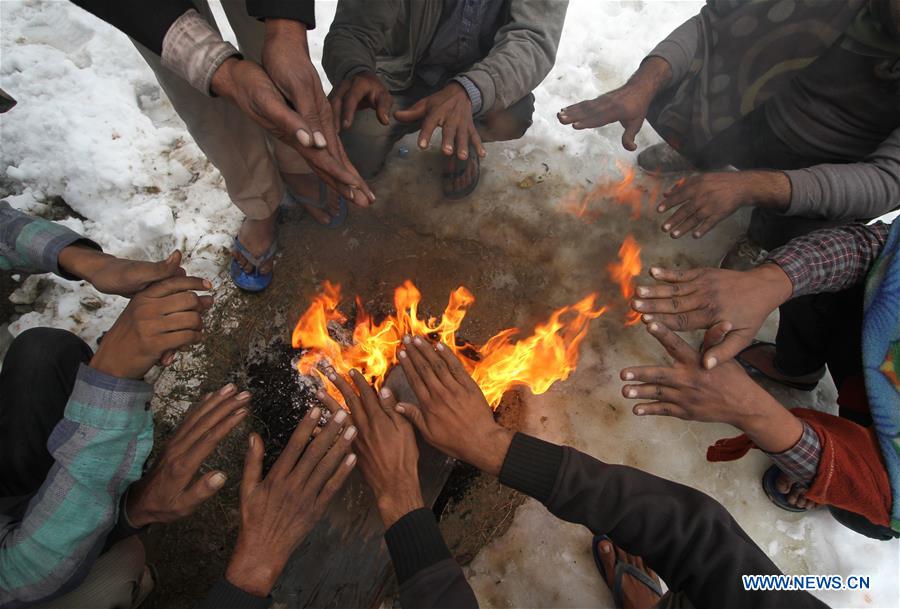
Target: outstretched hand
column 730, row 305
column 364, row 90
column 452, row 414
column 172, row 490
column 386, row 445
column 451, row 110
column 725, row 394
column 279, row 510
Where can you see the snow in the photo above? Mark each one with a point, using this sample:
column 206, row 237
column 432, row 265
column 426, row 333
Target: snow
column 93, row 127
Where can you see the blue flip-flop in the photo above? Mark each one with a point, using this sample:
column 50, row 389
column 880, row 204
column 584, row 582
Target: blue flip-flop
column 322, row 203
column 253, row 281
column 770, row 487
column 621, row 570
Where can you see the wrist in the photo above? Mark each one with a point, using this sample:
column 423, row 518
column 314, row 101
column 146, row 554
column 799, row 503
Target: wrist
column 769, row 425
column 395, row 505
column 774, row 284
column 80, row 261
column 113, row 365
column 253, row 572
column 222, row 83
column 492, row 450
column 653, row 75
column 135, row 515
column 769, row 189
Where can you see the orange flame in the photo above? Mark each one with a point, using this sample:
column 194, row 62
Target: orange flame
column 622, row 192
column 624, row 272
column 550, row 354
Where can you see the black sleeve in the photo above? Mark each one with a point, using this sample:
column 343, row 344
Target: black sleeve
column 146, row 22
column 226, row 596
column 298, row 10
column 682, row 534
column 427, row 574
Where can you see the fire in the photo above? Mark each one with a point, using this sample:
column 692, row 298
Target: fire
column 623, row 192
column 624, row 272
column 550, row 354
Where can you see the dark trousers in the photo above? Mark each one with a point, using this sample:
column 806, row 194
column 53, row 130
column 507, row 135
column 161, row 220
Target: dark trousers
column 36, row 381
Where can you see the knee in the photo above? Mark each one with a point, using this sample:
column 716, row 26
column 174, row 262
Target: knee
column 36, row 351
column 509, row 124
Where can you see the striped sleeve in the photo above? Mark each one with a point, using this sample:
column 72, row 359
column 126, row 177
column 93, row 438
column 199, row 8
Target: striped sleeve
column 32, row 245
column 99, row 449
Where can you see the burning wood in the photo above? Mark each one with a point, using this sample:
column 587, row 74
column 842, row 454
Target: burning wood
column 624, row 272
column 550, row 354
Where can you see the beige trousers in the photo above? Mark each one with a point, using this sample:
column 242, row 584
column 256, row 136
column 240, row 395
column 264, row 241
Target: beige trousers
column 112, row 583
column 248, row 159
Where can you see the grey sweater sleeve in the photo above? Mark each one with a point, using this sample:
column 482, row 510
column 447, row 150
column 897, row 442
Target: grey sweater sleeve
column 679, row 48
column 684, row 535
column 356, row 36
column 853, row 191
column 523, row 54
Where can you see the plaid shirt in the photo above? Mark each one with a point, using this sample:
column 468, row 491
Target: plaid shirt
column 99, row 448
column 801, row 461
column 831, row 259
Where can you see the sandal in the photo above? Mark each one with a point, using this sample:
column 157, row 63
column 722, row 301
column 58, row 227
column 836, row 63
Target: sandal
column 770, row 487
column 322, row 204
column 621, row 569
column 253, row 281
column 754, row 371
column 461, row 168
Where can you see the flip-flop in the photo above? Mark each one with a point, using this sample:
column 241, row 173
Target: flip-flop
column 322, row 204
column 461, row 168
column 621, row 570
column 754, row 371
column 253, row 281
column 770, row 487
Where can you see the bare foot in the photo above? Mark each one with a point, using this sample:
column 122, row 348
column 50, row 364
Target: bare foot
column 635, row 594
column 257, row 236
column 762, row 357
column 307, row 185
column 796, row 494
column 461, row 182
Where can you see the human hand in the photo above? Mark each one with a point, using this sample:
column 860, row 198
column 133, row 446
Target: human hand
column 248, row 86
column 279, row 511
column 706, row 199
column 452, row 414
column 451, row 110
column 364, row 90
column 627, row 105
column 725, row 394
column 157, row 322
column 170, row 490
column 386, row 446
column 731, row 305
column 112, row 275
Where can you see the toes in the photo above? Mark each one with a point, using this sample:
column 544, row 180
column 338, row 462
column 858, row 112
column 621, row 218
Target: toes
column 608, row 558
column 783, row 484
column 320, row 215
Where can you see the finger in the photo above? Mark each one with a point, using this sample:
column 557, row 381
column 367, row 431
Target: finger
column 666, row 290
column 413, row 414
column 335, row 483
column 297, row 443
column 442, row 375
column 673, row 304
column 184, row 301
column 455, row 365
column 674, row 275
column 351, row 103
column 631, row 130
column 674, row 344
column 316, row 453
column 167, row 358
column 430, row 123
column 157, row 271
column 475, row 139
column 173, row 341
column 330, row 403
column 203, row 446
column 351, row 399
column 209, row 401
column 448, row 136
column 707, row 225
column 388, row 403
column 461, row 143
column 422, row 366
column 728, row 349
column 715, row 335
column 336, row 99
column 678, row 195
column 209, row 414
column 680, row 322
column 650, row 391
column 412, row 114
column 383, row 104
column 368, row 401
column 185, row 320
column 200, row 491
column 658, row 375
column 253, row 465
column 685, row 220
column 173, row 285
column 412, row 376
column 660, row 409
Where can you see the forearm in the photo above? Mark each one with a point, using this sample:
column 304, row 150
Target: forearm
column 427, row 574
column 831, row 260
column 302, row 11
column 653, row 75
column 355, row 38
column 678, row 49
column 684, row 535
column 98, row 449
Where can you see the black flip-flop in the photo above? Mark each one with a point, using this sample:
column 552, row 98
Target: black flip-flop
column 770, row 487
column 461, row 169
column 621, row 570
column 754, row 371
